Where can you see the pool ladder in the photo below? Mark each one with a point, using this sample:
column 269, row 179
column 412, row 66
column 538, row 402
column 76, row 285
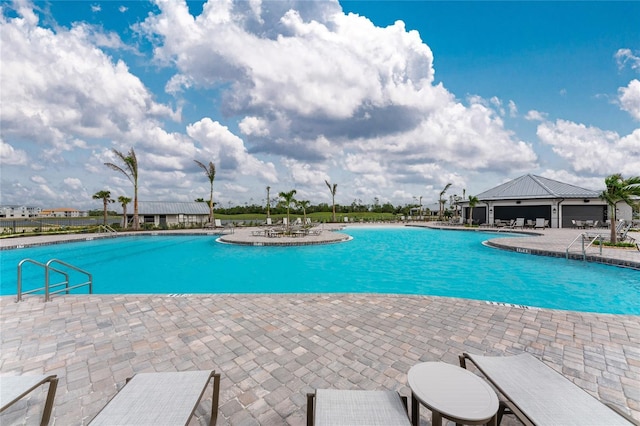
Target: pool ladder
column 49, row 288
column 584, row 237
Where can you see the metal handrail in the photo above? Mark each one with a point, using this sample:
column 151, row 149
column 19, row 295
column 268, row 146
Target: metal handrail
column 108, row 229
column 67, row 288
column 585, row 237
column 47, row 280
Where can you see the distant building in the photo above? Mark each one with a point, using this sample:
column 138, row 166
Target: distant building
column 531, row 197
column 63, row 212
column 166, row 213
column 19, row 211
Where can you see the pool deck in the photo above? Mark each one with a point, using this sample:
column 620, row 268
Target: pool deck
column 272, row 349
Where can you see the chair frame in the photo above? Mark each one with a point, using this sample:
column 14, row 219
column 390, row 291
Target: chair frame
column 508, row 406
column 48, row 406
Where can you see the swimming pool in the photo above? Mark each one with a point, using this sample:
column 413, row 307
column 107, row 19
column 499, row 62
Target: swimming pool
column 397, row 260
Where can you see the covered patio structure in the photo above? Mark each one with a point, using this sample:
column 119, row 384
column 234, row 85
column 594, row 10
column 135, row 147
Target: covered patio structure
column 532, row 197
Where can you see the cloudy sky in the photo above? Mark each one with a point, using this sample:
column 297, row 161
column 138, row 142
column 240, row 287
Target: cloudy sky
column 387, row 99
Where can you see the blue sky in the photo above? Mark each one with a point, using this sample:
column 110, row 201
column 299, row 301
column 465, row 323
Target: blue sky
column 389, row 99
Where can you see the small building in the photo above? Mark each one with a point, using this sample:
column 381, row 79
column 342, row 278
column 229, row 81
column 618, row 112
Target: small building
column 170, row 214
column 19, row 211
column 531, row 197
column 63, row 212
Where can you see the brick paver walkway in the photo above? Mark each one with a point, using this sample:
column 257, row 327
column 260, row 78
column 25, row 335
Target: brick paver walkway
column 273, row 349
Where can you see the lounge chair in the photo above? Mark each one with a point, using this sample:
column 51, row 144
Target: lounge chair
column 14, row 388
column 217, row 223
column 518, row 223
column 160, row 399
column 538, row 395
column 540, row 223
column 356, row 407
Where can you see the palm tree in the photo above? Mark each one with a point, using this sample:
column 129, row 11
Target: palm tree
column 443, row 201
column 130, row 170
column 619, row 189
column 303, row 205
column 473, row 201
column 268, row 201
column 210, row 171
column 333, row 188
column 124, row 201
column 287, row 200
column 105, row 196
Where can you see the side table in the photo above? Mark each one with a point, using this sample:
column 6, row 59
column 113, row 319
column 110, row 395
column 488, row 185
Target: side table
column 451, row 392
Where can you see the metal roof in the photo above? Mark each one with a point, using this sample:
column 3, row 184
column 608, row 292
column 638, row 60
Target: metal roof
column 168, row 207
column 535, row 187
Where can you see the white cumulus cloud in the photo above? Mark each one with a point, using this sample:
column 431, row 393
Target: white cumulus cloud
column 629, row 98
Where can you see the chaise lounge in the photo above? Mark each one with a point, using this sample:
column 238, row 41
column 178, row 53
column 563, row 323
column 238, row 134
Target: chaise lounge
column 331, row 407
column 14, row 388
column 538, row 395
column 160, row 399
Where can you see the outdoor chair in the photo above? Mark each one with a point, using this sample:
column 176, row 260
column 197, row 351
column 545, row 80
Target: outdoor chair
column 538, row 395
column 356, row 407
column 14, row 388
column 540, row 223
column 518, row 223
column 160, row 399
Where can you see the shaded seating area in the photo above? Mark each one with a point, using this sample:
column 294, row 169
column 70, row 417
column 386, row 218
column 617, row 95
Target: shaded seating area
column 14, row 388
column 538, row 395
column 160, row 399
column 332, row 407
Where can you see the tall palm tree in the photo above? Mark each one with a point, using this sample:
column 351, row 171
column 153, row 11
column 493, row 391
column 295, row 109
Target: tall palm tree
column 442, row 200
column 105, row 196
column 619, row 189
column 130, row 170
column 333, row 188
column 473, row 201
column 287, row 200
column 210, row 171
column 268, row 201
column 123, row 202
column 303, row 204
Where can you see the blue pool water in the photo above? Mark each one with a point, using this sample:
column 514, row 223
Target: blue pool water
column 377, row 260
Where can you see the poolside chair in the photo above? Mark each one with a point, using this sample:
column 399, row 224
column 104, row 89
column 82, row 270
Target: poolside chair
column 14, row 388
column 160, row 399
column 540, row 223
column 217, row 223
column 356, row 407
column 518, row 223
column 538, row 395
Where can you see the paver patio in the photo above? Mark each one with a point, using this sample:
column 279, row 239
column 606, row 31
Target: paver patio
column 273, row 349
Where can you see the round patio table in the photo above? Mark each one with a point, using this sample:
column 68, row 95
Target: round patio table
column 451, row 392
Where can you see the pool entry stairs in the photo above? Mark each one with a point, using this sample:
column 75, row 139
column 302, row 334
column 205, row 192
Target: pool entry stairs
column 60, row 269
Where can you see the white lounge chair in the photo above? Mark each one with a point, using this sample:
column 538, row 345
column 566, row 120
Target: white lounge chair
column 160, row 399
column 14, row 388
column 331, row 407
column 518, row 223
column 538, row 395
column 540, row 223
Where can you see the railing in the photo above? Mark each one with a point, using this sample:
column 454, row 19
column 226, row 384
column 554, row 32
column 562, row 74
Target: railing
column 48, row 269
column 583, row 238
column 107, row 228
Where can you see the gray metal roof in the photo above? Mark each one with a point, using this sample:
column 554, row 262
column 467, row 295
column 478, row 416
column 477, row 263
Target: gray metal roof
column 531, row 186
column 168, row 207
